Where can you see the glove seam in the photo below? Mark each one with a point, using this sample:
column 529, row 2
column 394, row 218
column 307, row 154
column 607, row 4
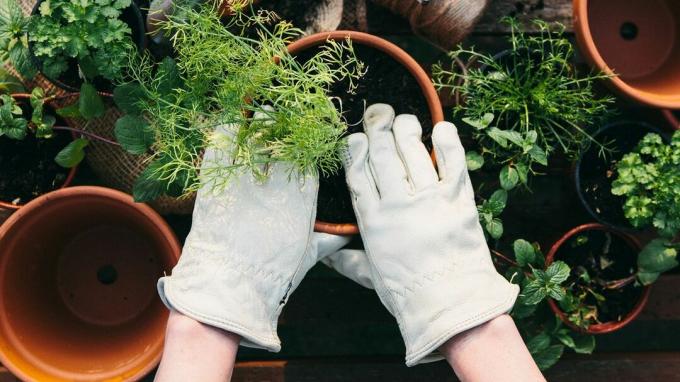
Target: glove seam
column 415, row 356
column 271, row 342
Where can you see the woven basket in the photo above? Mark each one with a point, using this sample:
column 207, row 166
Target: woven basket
column 114, row 166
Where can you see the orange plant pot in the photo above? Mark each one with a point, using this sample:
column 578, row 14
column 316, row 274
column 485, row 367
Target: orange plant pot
column 605, row 327
column 637, row 42
column 399, row 55
column 69, row 178
column 78, row 301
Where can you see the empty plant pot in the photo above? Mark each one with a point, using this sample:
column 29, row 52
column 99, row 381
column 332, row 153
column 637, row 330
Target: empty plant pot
column 638, row 41
column 78, row 272
column 393, row 77
column 624, row 303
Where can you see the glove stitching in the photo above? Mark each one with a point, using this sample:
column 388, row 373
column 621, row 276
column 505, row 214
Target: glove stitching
column 495, row 310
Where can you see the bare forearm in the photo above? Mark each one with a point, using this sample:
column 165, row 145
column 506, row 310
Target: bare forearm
column 196, row 352
column 493, row 351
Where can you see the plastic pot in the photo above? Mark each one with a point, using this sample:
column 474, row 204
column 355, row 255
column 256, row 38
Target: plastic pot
column 78, row 301
column 673, row 118
column 399, row 55
column 605, row 327
column 639, row 41
column 589, row 161
column 70, row 79
column 69, row 178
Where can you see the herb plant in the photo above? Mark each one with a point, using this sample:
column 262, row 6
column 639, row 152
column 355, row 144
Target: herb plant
column 224, row 76
column 88, row 31
column 649, row 179
column 14, row 38
column 526, row 104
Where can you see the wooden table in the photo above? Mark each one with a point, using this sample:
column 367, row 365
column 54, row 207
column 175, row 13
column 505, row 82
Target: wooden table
column 333, row 330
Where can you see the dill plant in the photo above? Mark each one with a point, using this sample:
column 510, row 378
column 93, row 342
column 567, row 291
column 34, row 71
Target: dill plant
column 526, row 104
column 225, row 75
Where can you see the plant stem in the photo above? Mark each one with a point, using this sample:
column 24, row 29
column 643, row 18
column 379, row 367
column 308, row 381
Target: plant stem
column 505, row 258
column 617, row 284
column 87, row 134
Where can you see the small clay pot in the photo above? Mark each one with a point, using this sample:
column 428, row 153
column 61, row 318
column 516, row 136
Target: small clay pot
column 69, row 178
column 636, row 40
column 69, row 80
column 399, row 55
column 605, row 327
column 673, row 118
column 78, row 301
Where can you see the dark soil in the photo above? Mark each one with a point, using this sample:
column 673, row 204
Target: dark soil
column 596, row 173
column 28, row 167
column 386, row 81
column 588, row 250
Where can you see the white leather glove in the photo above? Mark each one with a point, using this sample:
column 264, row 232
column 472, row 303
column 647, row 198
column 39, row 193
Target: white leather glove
column 249, row 247
column 429, row 261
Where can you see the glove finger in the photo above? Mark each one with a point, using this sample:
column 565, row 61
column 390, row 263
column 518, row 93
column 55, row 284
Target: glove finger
column 353, row 264
column 408, row 135
column 390, row 175
column 450, row 155
column 358, row 173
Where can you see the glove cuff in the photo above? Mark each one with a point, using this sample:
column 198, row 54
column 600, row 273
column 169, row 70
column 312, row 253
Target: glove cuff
column 485, row 296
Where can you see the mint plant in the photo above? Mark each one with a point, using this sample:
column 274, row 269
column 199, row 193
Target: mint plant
column 523, row 106
column 14, row 38
column 89, row 32
column 221, row 76
column 649, row 179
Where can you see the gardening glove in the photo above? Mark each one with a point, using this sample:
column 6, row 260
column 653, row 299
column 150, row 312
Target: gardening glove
column 249, row 247
column 429, row 261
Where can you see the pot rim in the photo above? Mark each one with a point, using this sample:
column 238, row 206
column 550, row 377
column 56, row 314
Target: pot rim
column 610, row 326
column 396, row 53
column 69, row 178
column 673, row 121
column 153, row 219
column 589, row 50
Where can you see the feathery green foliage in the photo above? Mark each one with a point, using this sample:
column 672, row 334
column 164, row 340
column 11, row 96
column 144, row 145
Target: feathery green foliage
column 226, row 75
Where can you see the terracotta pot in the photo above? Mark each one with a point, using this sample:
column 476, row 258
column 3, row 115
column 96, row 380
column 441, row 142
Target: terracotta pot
column 399, row 55
column 605, row 327
column 69, row 178
column 78, row 301
column 673, row 118
column 636, row 39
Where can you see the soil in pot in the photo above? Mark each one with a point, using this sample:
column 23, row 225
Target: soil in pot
column 385, row 81
column 596, row 173
column 603, row 257
column 27, row 167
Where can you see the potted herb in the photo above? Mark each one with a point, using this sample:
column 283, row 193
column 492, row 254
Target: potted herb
column 545, row 335
column 525, row 104
column 83, row 44
column 648, row 178
column 391, row 77
column 222, row 77
column 636, row 44
column 79, row 268
column 594, row 173
column 602, row 291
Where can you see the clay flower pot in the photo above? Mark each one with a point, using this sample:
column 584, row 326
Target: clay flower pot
column 604, row 327
column 7, row 204
column 358, row 38
column 636, row 39
column 78, row 301
column 673, row 118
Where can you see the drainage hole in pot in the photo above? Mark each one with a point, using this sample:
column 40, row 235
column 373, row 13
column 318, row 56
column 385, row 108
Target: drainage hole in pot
column 107, row 274
column 628, row 31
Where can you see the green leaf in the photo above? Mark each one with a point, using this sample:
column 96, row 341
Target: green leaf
column 497, row 201
column 508, row 177
column 90, row 103
column 474, row 160
column 10, row 84
column 70, row 111
column 522, row 172
column 134, row 134
column 584, row 344
column 481, row 123
column 72, row 154
column 497, row 135
column 656, row 257
column 168, row 76
column 128, row 97
column 558, row 272
column 564, row 337
column 520, row 311
column 538, row 343
column 538, row 155
column 495, row 228
column 548, row 357
column 534, row 292
column 524, row 252
column 147, row 187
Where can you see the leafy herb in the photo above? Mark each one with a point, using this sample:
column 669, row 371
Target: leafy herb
column 14, row 38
